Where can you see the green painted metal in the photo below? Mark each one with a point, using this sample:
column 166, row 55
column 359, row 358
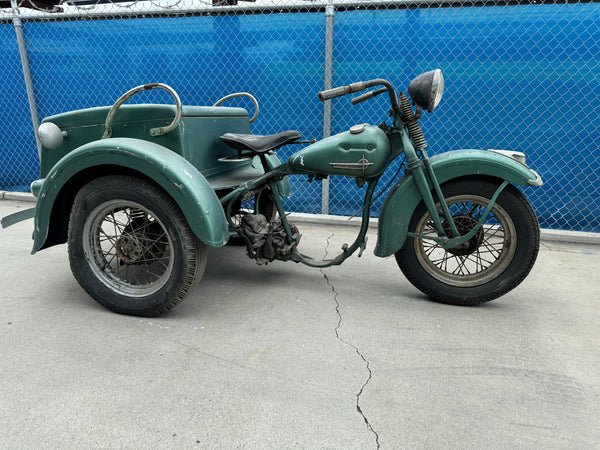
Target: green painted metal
column 404, row 197
column 480, row 162
column 365, row 154
column 177, row 176
column 360, row 243
column 36, row 187
column 17, row 217
column 190, row 163
column 284, row 186
column 197, row 139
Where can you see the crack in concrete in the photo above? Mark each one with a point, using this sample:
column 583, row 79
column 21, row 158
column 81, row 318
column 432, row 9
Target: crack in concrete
column 354, row 347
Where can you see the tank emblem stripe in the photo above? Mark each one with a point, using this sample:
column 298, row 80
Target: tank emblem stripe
column 362, row 165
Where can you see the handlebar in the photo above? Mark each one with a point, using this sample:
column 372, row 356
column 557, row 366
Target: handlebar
column 332, row 93
column 361, row 86
column 342, row 90
column 369, row 95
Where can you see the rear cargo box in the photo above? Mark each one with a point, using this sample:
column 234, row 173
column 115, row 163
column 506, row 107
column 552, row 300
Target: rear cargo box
column 196, row 139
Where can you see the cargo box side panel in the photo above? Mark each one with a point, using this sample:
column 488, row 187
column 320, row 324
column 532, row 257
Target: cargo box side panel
column 204, row 149
column 202, row 144
column 135, row 121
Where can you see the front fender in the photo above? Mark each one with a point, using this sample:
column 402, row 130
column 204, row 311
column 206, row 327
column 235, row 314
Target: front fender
column 178, row 177
column 404, row 197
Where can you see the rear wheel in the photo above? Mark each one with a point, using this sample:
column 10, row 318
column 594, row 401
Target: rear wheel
column 130, row 247
column 493, row 262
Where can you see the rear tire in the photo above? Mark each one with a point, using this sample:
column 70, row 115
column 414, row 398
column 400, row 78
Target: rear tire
column 130, row 247
column 493, row 262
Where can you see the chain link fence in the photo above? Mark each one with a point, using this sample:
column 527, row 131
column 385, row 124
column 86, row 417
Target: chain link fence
column 519, row 75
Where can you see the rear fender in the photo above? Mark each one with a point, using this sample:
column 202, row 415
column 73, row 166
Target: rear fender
column 404, row 197
column 178, row 177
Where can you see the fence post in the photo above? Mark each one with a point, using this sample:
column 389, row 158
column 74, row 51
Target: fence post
column 329, row 13
column 35, row 120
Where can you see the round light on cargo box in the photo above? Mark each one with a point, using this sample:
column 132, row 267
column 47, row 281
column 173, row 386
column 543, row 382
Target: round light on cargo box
column 50, row 135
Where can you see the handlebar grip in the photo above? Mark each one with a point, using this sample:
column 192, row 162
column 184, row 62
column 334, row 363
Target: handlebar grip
column 362, row 98
column 369, row 95
column 332, row 93
column 342, row 90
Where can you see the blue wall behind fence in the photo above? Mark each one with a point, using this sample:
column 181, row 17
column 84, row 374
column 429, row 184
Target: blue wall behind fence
column 19, row 164
column 522, row 77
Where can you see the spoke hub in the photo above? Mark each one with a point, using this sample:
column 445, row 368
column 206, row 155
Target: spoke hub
column 129, row 249
column 464, row 224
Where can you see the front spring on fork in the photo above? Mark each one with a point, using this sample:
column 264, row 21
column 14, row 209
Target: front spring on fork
column 412, row 123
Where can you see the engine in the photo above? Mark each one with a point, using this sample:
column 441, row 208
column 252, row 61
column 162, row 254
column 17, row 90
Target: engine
column 269, row 241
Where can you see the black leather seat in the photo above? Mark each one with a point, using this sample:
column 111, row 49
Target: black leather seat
column 256, row 143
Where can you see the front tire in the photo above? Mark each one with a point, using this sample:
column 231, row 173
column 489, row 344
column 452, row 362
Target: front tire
column 130, row 247
column 493, row 262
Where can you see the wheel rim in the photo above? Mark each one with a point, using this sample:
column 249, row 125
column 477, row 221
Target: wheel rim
column 128, row 248
column 481, row 259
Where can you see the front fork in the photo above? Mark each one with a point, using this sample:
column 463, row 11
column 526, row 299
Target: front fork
column 425, row 178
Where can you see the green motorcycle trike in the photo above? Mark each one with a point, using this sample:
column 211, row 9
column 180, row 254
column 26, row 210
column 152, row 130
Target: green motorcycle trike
column 139, row 191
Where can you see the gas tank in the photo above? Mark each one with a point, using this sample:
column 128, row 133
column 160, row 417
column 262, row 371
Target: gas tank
column 364, row 152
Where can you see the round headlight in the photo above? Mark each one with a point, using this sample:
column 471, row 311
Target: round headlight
column 50, row 135
column 427, row 89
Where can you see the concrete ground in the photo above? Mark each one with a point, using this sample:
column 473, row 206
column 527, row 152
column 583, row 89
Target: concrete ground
column 286, row 356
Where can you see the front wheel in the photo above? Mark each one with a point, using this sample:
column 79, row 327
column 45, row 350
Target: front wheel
column 493, row 262
column 130, row 247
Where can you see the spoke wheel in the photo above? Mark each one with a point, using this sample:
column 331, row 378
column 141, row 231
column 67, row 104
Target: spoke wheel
column 493, row 262
column 482, row 258
column 130, row 247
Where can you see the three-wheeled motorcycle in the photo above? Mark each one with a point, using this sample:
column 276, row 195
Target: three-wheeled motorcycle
column 139, row 191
